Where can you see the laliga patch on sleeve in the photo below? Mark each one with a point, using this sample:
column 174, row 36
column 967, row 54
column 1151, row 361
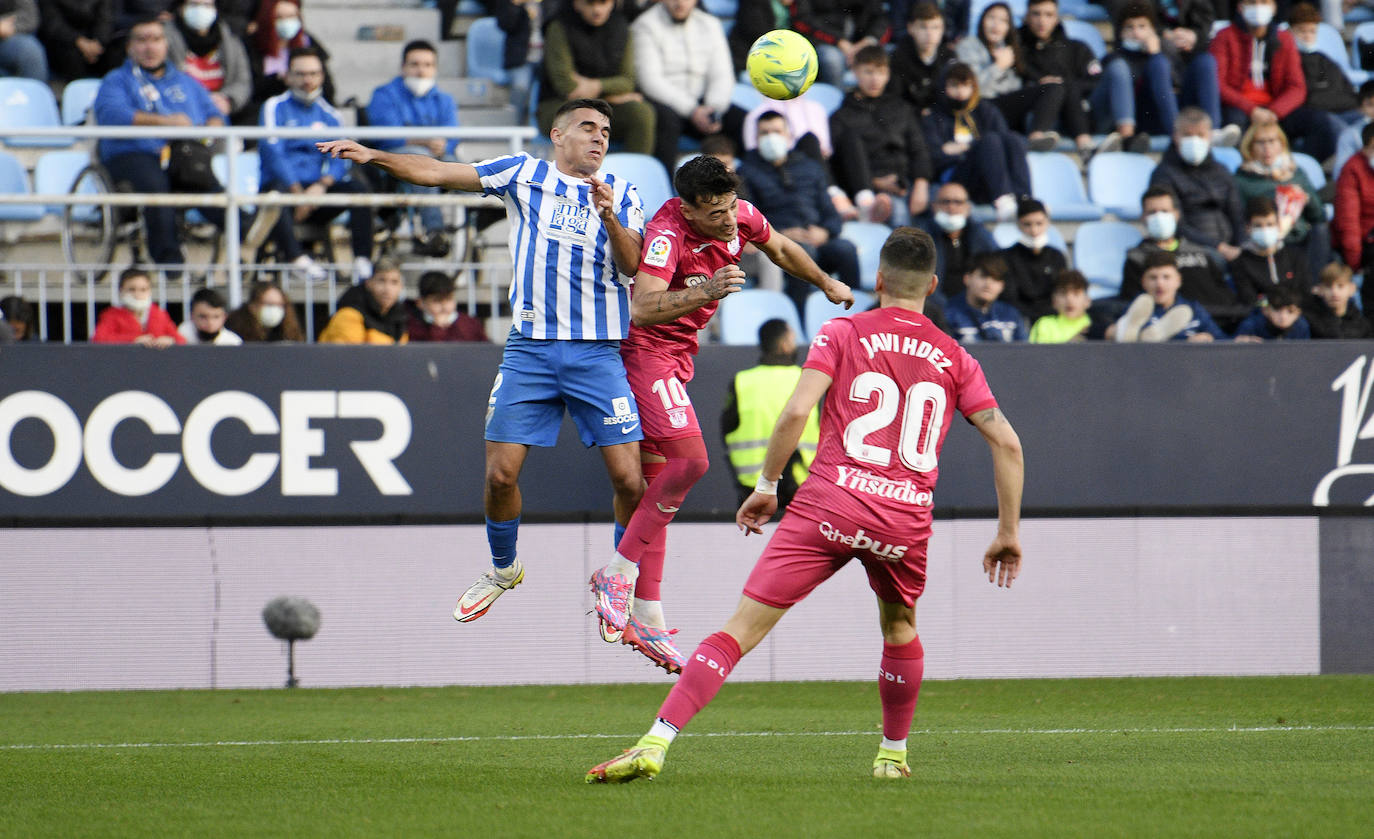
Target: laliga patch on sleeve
column 657, row 253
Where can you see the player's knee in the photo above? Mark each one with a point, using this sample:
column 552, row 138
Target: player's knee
column 501, row 478
column 628, row 486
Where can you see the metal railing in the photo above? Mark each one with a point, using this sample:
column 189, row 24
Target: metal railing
column 231, row 140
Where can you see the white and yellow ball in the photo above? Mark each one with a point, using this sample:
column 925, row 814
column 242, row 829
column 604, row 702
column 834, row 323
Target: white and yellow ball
column 782, row 64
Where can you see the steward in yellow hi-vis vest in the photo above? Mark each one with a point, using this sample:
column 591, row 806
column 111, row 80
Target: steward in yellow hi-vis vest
column 755, row 400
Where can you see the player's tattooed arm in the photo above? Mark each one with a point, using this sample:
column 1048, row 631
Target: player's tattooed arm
column 988, row 416
column 654, row 303
column 1002, row 561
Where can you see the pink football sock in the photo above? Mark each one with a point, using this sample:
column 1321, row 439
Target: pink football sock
column 701, row 679
column 686, row 464
column 899, row 681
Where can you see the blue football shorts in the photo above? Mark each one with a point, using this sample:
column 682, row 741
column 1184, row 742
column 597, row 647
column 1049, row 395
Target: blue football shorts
column 538, row 379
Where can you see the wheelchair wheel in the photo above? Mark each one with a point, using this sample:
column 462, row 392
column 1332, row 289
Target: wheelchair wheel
column 90, row 231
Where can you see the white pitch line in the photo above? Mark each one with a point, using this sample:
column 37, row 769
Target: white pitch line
column 515, row 738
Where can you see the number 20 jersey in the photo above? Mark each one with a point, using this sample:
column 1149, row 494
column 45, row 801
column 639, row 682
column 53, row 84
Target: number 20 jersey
column 897, row 380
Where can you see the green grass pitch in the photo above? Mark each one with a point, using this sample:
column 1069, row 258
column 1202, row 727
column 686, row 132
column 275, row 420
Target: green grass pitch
column 1208, row 757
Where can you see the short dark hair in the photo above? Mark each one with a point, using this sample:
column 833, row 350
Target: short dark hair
column 907, row 262
column 1160, row 191
column 417, row 44
column 304, row 52
column 770, row 114
column 872, row 55
column 144, row 19
column 1133, row 10
column 1367, row 90
column 717, row 144
column 1070, row 280
column 131, row 272
column 960, row 74
column 771, row 334
column 1367, row 134
column 1160, row 259
column 1260, row 205
column 437, row 284
column 989, row 264
column 598, row 105
column 924, row 11
column 18, row 310
column 1027, row 206
column 1303, row 13
column 209, row 297
column 1038, row 2
column 1333, row 273
column 1281, row 297
column 704, row 177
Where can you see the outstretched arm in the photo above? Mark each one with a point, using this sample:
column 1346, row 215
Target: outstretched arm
column 419, row 169
column 790, row 257
column 759, row 507
column 1002, row 562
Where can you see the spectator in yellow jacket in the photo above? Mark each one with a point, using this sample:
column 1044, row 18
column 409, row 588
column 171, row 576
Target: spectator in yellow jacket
column 371, row 313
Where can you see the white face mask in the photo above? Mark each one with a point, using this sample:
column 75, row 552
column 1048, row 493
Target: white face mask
column 418, row 86
column 288, row 27
column 1265, row 237
column 1035, row 243
column 950, row 222
column 307, row 97
column 1161, row 225
column 1132, row 45
column 443, row 320
column 772, row 147
column 199, row 18
column 271, row 316
column 1306, row 46
column 137, row 305
column 1258, row 15
column 1194, row 149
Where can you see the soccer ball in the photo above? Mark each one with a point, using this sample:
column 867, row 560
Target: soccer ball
column 782, row 64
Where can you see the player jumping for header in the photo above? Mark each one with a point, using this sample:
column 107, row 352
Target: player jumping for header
column 689, row 263
column 891, row 382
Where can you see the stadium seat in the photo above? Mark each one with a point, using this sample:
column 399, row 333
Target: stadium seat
column 486, row 46
column 742, row 313
column 1007, row 234
column 721, row 8
column 819, row 310
column 77, row 98
column 646, row 173
column 1331, row 43
column 746, row 96
column 1099, row 251
column 1083, row 11
column 1082, row 30
column 249, row 173
column 868, row 238
column 1364, row 36
column 1228, row 157
column 826, row 95
column 55, row 172
column 25, row 103
column 14, row 181
column 1056, row 182
column 975, row 11
column 1311, row 167
column 1117, row 179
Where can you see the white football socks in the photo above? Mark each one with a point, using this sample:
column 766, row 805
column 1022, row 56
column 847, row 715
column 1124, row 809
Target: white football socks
column 621, row 565
column 650, row 612
column 663, row 729
column 894, row 745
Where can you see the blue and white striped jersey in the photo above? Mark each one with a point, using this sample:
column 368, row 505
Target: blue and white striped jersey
column 566, row 285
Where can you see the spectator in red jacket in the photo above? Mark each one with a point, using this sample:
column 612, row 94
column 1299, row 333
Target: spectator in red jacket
column 435, row 316
column 1353, row 224
column 136, row 320
column 1261, row 78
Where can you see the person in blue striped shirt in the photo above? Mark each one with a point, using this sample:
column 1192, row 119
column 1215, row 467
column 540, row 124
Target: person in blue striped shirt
column 574, row 240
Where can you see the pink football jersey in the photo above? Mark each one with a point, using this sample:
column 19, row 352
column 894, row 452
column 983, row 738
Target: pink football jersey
column 896, row 382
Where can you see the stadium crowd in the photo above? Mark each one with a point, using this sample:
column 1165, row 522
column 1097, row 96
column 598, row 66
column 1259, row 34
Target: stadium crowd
column 943, row 110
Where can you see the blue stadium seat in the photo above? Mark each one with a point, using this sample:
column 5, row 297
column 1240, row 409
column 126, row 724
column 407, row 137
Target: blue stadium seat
column 54, row 174
column 868, row 238
column 486, row 46
column 1099, row 251
column 742, row 313
column 77, row 98
column 1007, row 233
column 1331, row 43
column 1117, row 179
column 975, row 11
column 1311, row 168
column 1056, row 182
column 826, row 95
column 1364, row 34
column 819, row 309
column 1082, row 10
column 14, row 181
column 1228, row 157
column 25, row 103
column 1082, row 30
column 721, row 8
column 646, row 173
column 746, row 96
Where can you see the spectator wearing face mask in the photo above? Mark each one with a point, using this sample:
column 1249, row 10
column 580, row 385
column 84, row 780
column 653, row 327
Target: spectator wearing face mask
column 1203, row 278
column 1209, row 201
column 136, row 319
column 790, row 189
column 206, row 323
column 202, row 46
column 267, row 316
column 957, row 239
column 435, row 316
column 1032, row 264
column 1269, row 170
column 280, row 29
column 1264, row 263
column 412, row 100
